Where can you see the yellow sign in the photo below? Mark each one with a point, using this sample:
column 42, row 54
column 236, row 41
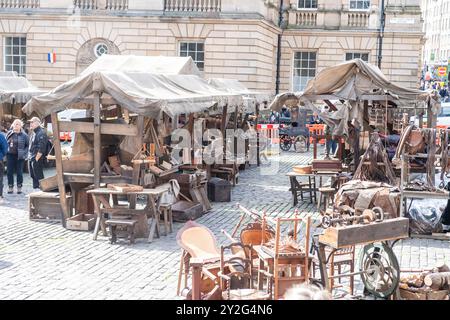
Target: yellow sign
column 442, row 71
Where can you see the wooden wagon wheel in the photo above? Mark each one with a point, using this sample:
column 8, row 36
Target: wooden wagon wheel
column 380, row 269
column 285, row 143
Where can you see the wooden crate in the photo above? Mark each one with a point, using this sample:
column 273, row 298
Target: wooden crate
column 183, row 211
column 432, row 295
column 46, row 206
column 340, row 237
column 82, row 222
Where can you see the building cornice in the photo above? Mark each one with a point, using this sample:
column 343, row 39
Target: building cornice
column 224, row 19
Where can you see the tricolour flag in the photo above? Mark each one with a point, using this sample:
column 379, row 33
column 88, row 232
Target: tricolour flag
column 51, row 57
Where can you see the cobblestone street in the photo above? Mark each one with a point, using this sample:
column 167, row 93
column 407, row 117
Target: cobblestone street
column 40, row 260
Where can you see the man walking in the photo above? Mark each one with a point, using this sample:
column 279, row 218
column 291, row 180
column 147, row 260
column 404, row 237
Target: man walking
column 37, row 150
column 3, row 151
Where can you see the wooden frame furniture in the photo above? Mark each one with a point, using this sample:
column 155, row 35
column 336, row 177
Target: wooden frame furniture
column 297, row 188
column 197, row 241
column 276, row 261
column 339, row 258
column 237, row 271
column 102, row 205
column 128, row 223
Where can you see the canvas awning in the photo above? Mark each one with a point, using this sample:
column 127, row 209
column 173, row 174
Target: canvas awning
column 354, row 81
column 251, row 98
column 15, row 89
column 143, row 64
column 143, row 93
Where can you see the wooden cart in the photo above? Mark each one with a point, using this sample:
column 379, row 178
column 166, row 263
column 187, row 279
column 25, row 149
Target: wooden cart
column 378, row 265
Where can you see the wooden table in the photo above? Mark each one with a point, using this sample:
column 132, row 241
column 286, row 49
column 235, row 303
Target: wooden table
column 102, row 205
column 312, row 186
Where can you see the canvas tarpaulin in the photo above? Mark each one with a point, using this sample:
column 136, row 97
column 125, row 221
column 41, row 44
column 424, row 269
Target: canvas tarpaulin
column 143, row 93
column 350, row 81
column 144, row 64
column 17, row 90
column 251, row 98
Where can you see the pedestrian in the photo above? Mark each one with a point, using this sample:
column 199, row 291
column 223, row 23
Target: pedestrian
column 37, row 151
column 3, row 151
column 17, row 153
column 332, row 142
column 315, row 119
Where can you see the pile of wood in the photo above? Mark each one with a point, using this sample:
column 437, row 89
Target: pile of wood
column 428, row 285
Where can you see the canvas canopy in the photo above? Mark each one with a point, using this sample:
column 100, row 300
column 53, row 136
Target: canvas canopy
column 143, row 93
column 353, row 81
column 15, row 89
column 251, row 98
column 143, row 64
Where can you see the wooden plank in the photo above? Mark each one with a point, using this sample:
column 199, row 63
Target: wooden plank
column 339, row 237
column 106, row 128
column 434, row 236
column 49, row 184
column 97, row 140
column 425, row 194
column 122, row 211
column 59, row 169
column 89, row 178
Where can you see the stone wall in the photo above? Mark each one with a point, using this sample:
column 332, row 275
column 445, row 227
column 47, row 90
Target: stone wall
column 242, row 51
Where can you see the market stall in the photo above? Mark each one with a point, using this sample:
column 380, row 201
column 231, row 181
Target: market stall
column 15, row 91
column 363, row 100
column 130, row 105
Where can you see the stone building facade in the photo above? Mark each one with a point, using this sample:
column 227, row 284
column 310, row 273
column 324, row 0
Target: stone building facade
column 436, row 15
column 227, row 38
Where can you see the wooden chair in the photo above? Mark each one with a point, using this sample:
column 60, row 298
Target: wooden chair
column 197, row 241
column 236, row 276
column 339, row 258
column 284, row 265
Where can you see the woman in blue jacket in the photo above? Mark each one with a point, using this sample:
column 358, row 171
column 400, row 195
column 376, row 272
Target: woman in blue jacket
column 17, row 153
column 3, row 150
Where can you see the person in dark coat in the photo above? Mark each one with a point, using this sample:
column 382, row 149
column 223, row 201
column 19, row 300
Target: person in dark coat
column 37, row 151
column 17, row 153
column 3, row 151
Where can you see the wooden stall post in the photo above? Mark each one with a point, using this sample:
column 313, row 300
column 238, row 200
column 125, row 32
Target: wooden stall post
column 97, row 140
column 431, row 119
column 223, row 127
column 59, row 169
column 137, row 166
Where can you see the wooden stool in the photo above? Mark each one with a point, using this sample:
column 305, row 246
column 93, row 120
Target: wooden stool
column 166, row 212
column 114, row 223
column 327, row 195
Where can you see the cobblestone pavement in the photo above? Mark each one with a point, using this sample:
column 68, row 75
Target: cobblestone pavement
column 41, row 260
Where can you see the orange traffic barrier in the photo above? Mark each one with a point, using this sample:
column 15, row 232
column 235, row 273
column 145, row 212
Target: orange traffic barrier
column 316, row 129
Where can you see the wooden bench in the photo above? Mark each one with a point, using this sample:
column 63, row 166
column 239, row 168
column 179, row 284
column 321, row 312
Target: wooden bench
column 114, row 223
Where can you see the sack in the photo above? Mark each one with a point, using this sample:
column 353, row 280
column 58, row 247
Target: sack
column 171, row 196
